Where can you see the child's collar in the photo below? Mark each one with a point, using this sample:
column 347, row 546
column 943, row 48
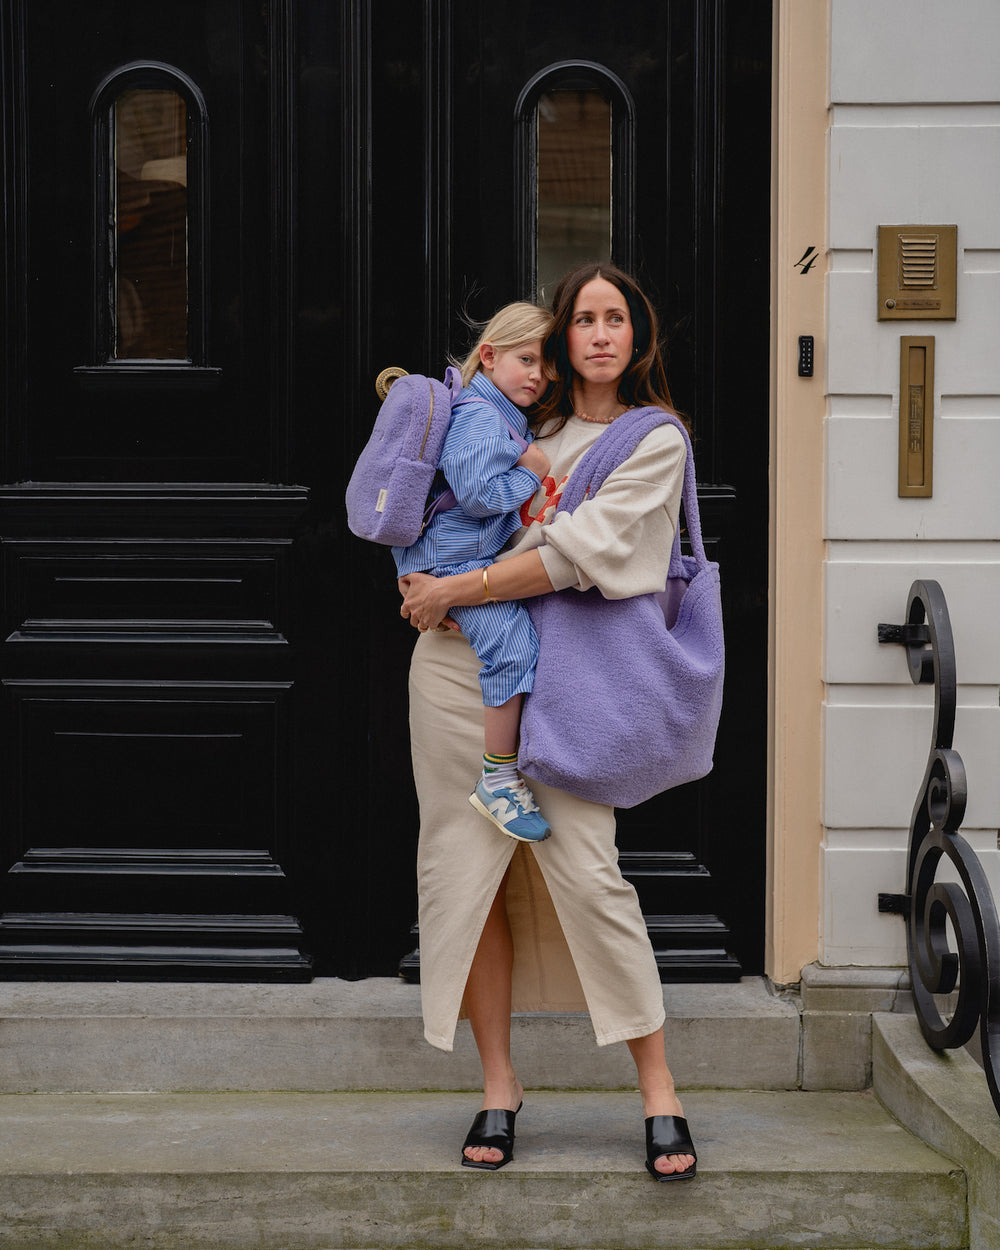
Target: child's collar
column 483, row 387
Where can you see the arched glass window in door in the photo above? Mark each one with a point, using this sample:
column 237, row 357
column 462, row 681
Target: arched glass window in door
column 573, row 172
column 575, row 141
column 150, row 131
column 149, row 226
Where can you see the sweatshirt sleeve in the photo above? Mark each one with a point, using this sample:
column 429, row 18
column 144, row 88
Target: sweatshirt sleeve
column 620, row 540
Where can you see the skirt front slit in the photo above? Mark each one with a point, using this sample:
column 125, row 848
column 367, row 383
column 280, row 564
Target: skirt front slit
column 580, row 943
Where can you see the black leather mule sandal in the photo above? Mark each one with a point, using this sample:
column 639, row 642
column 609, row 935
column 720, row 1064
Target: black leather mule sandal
column 668, row 1135
column 493, row 1130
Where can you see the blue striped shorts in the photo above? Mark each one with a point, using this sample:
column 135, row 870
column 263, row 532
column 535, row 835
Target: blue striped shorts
column 503, row 639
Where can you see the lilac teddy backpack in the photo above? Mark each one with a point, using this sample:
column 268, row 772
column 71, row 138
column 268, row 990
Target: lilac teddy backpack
column 628, row 692
column 387, row 496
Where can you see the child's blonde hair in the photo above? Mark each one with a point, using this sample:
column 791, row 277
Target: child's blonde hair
column 513, row 326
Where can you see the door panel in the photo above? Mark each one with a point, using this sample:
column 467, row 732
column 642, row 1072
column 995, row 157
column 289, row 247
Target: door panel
column 206, row 765
column 147, row 822
column 79, row 418
column 691, row 127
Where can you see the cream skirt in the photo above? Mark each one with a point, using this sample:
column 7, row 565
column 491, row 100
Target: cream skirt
column 580, row 943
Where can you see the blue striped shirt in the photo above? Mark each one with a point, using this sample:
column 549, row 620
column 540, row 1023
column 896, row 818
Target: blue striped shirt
column 479, row 463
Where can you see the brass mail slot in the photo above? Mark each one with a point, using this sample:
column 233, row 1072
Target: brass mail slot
column 917, row 273
column 916, row 416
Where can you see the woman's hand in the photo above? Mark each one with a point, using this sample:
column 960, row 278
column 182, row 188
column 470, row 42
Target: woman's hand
column 426, row 601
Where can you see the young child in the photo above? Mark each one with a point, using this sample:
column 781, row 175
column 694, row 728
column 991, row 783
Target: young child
column 491, row 478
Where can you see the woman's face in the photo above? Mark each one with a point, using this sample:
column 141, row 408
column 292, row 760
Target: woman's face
column 599, row 334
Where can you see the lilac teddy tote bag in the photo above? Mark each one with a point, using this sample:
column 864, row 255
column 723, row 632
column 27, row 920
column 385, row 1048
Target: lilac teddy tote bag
column 628, row 692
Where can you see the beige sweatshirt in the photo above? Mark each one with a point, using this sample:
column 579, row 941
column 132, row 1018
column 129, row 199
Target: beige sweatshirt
column 619, row 540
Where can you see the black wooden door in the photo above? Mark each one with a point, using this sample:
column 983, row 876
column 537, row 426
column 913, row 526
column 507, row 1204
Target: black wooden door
column 149, row 688
column 453, row 102
column 224, row 219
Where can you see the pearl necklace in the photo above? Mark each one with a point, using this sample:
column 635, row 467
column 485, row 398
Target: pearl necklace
column 602, row 420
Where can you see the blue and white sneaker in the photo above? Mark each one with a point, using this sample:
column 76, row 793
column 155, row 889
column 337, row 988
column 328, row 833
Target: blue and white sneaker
column 513, row 810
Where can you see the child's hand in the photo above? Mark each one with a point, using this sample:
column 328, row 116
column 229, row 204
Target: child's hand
column 536, row 460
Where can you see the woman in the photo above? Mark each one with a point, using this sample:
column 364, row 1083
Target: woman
column 552, row 926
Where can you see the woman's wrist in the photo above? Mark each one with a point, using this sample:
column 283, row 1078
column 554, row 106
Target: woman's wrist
column 469, row 588
column 460, row 590
column 520, row 577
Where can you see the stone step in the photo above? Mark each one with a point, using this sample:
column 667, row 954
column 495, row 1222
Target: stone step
column 379, row 1171
column 341, row 1035
column 943, row 1097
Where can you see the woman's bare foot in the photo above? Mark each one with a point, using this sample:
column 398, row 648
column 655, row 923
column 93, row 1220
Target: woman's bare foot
column 656, row 1085
column 666, row 1102
column 497, row 1096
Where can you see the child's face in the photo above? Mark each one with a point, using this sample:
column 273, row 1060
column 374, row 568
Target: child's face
column 517, row 372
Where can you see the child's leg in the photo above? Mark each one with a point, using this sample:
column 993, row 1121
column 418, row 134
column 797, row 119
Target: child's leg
column 501, row 727
column 504, row 640
column 500, row 733
column 502, row 795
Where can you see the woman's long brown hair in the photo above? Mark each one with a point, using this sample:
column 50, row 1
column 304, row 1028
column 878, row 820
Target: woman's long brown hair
column 644, row 382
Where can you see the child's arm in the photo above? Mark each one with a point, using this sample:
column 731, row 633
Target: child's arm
column 484, row 466
column 485, row 486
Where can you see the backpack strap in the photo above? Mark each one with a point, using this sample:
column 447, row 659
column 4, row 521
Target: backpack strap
column 453, row 381
column 612, row 448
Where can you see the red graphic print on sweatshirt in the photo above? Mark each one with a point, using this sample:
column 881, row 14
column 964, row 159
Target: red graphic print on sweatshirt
column 553, row 494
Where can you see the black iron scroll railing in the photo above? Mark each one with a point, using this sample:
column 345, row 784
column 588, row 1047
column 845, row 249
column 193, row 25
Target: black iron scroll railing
column 930, row 906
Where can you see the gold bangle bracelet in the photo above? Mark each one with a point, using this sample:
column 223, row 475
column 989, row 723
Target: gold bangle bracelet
column 486, row 586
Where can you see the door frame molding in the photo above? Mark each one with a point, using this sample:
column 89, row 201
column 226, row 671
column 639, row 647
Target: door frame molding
column 797, row 548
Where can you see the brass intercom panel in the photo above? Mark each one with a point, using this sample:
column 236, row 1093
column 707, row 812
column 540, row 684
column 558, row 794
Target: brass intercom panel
column 917, row 273
column 916, row 416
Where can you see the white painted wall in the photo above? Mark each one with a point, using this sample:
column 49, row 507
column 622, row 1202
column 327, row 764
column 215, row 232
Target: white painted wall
column 914, row 138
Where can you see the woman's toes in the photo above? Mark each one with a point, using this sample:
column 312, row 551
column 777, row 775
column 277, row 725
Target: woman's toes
column 672, row 1163
column 483, row 1154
